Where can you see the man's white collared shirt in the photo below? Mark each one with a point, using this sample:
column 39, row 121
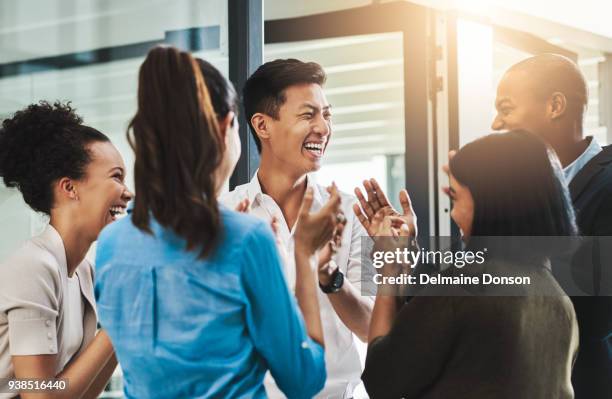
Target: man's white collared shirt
column 341, row 356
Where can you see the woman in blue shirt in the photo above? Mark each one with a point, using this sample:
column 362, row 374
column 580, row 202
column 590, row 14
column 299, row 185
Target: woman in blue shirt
column 192, row 294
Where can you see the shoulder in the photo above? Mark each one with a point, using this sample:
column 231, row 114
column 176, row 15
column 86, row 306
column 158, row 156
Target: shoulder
column 242, row 228
column 116, row 229
column 30, row 264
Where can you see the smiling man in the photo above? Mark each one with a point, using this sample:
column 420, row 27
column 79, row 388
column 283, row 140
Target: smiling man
column 290, row 119
column 547, row 95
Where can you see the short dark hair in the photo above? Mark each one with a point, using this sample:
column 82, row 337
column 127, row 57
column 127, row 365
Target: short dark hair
column 548, row 73
column 41, row 144
column 264, row 91
column 517, row 185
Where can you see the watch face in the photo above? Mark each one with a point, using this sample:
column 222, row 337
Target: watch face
column 338, row 280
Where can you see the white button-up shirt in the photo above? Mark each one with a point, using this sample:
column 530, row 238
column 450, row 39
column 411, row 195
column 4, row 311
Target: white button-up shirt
column 341, row 356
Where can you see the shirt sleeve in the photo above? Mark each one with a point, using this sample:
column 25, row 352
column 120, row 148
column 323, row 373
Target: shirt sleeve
column 28, row 297
column 405, row 362
column 274, row 322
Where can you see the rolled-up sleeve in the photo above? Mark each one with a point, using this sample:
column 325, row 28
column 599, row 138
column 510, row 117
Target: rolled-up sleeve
column 28, row 298
column 274, row 322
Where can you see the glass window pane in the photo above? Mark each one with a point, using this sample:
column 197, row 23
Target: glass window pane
column 89, row 52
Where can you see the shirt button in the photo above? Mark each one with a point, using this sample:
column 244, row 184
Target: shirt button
column 304, row 345
column 48, row 323
column 49, row 335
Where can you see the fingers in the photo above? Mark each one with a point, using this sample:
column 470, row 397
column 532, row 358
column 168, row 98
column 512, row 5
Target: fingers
column 378, row 219
column 446, row 190
column 372, row 198
column 274, row 224
column 243, row 206
column 404, row 231
column 406, row 203
column 333, row 203
column 306, row 203
column 336, row 240
column 396, row 221
column 364, row 204
column 365, row 222
column 380, row 194
column 446, row 169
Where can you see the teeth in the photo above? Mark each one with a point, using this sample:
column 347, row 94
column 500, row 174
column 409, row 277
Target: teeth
column 314, row 146
column 116, row 210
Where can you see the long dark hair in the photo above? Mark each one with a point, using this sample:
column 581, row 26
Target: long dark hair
column 517, row 185
column 178, row 146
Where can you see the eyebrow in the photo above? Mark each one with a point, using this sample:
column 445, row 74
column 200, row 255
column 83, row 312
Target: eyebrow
column 315, row 108
column 503, row 100
column 118, row 168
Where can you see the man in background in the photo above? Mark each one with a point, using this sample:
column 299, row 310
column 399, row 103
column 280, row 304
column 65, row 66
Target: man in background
column 547, row 95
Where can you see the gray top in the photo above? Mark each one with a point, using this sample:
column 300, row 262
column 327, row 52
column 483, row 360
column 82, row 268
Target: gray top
column 35, row 304
column 479, row 346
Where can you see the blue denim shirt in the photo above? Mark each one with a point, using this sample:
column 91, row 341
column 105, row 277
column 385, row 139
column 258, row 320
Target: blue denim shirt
column 183, row 327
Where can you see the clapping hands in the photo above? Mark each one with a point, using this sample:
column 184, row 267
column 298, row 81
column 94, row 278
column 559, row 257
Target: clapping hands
column 378, row 216
column 315, row 230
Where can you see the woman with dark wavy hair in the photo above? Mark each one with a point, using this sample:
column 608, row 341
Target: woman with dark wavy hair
column 191, row 293
column 74, row 175
column 484, row 341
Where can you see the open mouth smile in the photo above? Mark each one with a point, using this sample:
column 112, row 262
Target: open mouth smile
column 117, row 210
column 315, row 148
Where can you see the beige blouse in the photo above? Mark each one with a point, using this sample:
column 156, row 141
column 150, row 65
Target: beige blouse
column 36, row 308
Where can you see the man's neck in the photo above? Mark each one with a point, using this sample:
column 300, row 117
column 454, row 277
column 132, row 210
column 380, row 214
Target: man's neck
column 286, row 189
column 569, row 150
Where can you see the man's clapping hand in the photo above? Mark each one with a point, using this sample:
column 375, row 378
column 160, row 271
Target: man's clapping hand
column 377, row 208
column 314, row 230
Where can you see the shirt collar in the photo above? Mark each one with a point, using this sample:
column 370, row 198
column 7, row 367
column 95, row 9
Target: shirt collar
column 254, row 192
column 52, row 241
column 571, row 170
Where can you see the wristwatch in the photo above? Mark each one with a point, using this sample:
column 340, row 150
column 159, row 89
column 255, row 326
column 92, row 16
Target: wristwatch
column 336, row 282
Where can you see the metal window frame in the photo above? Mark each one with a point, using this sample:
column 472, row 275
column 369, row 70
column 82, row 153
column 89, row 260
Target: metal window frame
column 245, row 43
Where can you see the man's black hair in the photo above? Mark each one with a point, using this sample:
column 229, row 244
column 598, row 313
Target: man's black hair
column 264, row 91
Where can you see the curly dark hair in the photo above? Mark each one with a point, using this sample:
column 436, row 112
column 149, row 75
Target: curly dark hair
column 41, row 144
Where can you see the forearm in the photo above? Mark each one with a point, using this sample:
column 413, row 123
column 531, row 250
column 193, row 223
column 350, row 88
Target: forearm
column 80, row 373
column 306, row 294
column 383, row 315
column 353, row 309
column 83, row 371
column 102, row 379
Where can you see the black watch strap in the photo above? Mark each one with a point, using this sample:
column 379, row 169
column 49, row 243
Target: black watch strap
column 335, row 284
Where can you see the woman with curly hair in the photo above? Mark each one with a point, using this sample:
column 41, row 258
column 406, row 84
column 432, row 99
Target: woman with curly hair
column 73, row 174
